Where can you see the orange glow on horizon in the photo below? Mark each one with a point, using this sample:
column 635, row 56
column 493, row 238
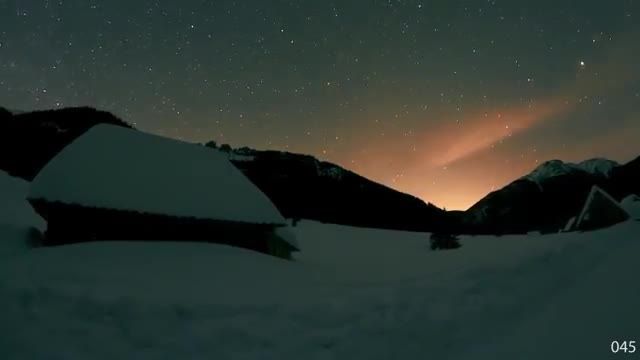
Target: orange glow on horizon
column 430, row 172
column 456, row 159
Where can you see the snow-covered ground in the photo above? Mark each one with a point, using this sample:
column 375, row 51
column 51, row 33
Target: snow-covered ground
column 351, row 294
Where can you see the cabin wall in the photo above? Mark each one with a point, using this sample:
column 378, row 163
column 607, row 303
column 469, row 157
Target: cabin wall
column 72, row 224
column 279, row 247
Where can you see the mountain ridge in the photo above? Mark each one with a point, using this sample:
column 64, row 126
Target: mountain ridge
column 549, row 196
column 302, row 186
column 594, row 166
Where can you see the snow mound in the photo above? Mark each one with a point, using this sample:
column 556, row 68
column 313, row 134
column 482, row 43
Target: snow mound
column 19, row 224
column 14, row 209
column 552, row 168
column 631, row 204
column 118, row 168
column 16, row 241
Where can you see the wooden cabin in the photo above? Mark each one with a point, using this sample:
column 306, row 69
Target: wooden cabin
column 114, row 183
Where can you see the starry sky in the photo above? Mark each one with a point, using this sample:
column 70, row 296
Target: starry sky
column 445, row 99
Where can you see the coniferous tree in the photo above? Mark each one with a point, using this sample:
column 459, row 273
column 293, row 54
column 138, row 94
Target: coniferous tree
column 211, row 144
column 444, row 241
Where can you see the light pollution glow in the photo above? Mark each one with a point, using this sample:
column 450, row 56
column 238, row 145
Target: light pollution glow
column 458, row 162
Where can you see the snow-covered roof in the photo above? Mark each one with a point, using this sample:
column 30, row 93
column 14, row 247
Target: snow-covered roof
column 631, row 204
column 569, row 225
column 118, row 168
column 595, row 191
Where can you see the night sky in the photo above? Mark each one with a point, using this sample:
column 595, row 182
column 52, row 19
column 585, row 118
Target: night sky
column 446, row 100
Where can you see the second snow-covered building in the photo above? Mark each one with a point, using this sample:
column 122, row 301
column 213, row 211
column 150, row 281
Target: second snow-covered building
column 600, row 210
column 631, row 204
column 120, row 184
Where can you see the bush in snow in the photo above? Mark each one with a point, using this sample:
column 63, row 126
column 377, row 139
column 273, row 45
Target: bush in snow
column 211, row 144
column 444, row 241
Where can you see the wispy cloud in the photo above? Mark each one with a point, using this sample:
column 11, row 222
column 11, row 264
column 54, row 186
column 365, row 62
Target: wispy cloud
column 483, row 129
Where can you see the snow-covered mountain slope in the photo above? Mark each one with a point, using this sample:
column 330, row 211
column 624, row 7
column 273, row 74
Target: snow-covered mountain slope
column 302, row 186
column 598, row 166
column 548, row 197
column 552, row 168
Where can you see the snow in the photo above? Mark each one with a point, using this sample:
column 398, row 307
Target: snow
column 598, row 166
column 190, row 273
column 14, row 241
column 288, row 236
column 570, row 224
column 119, row 168
column 596, row 305
column 631, row 204
column 18, row 221
column 352, row 293
column 14, row 210
column 333, row 172
column 329, row 170
column 552, row 168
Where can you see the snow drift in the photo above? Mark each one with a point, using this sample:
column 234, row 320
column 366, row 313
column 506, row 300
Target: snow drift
column 19, row 224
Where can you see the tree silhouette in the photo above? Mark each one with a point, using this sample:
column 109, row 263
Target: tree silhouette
column 211, row 144
column 444, row 241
